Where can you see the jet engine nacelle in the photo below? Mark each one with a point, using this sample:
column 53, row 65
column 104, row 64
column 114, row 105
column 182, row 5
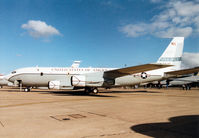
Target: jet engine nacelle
column 54, row 84
column 78, row 80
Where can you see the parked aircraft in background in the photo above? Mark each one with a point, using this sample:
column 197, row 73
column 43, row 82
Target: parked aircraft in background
column 92, row 78
column 4, row 82
column 185, row 82
column 75, row 64
column 179, row 80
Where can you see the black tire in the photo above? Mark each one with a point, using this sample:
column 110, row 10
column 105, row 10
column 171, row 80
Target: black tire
column 87, row 90
column 27, row 90
column 95, row 91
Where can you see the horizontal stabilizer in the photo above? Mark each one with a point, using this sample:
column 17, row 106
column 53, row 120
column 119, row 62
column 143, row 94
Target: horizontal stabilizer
column 132, row 70
column 183, row 71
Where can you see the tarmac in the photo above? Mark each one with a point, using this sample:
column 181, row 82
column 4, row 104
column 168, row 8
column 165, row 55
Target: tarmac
column 112, row 113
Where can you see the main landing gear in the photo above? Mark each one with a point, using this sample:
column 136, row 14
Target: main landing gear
column 27, row 89
column 90, row 90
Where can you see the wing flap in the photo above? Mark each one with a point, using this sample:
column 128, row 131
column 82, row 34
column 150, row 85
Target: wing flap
column 183, row 71
column 132, row 70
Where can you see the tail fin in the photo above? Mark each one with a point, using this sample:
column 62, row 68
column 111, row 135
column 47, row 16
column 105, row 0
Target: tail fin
column 173, row 53
column 75, row 64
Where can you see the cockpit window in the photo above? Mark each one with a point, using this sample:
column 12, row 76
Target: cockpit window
column 13, row 72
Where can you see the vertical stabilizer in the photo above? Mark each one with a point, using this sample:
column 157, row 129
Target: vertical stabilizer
column 75, row 64
column 173, row 53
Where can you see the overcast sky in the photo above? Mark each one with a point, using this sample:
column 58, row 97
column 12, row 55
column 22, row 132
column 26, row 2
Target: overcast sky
column 100, row 33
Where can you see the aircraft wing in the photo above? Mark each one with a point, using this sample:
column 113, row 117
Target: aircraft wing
column 183, row 71
column 132, row 70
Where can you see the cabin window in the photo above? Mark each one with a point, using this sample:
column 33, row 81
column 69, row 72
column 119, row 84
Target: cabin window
column 41, row 73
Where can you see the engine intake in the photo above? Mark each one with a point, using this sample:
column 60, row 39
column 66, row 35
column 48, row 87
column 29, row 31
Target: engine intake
column 54, row 84
column 78, row 80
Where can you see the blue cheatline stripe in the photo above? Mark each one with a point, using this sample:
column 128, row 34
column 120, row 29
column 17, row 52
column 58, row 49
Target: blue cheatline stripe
column 171, row 59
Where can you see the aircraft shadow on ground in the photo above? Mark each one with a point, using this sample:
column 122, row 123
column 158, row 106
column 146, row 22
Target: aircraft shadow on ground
column 12, row 90
column 71, row 93
column 137, row 91
column 178, row 127
column 81, row 93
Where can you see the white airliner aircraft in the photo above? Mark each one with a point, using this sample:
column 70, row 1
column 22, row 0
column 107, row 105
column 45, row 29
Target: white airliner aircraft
column 92, row 78
column 4, row 81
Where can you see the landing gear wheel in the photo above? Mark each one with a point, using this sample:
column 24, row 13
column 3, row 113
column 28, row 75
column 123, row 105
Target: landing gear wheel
column 27, row 90
column 95, row 90
column 89, row 90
